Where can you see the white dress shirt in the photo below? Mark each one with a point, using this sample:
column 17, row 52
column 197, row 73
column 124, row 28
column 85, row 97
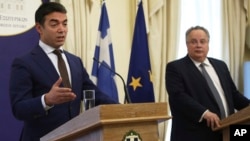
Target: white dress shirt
column 212, row 73
column 49, row 52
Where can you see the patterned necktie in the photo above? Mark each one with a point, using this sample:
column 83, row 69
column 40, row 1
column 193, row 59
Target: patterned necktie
column 214, row 90
column 62, row 68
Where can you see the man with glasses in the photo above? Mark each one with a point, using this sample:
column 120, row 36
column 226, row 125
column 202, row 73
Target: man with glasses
column 201, row 91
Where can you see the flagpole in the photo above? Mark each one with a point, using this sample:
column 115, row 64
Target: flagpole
column 104, row 52
column 138, row 2
column 101, row 2
column 140, row 86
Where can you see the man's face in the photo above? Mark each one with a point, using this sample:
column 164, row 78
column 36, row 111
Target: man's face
column 197, row 45
column 54, row 30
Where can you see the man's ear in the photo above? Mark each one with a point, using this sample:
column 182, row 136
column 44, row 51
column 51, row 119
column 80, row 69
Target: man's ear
column 38, row 27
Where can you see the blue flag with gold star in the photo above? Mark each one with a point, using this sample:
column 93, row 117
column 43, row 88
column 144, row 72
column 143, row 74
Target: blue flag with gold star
column 139, row 80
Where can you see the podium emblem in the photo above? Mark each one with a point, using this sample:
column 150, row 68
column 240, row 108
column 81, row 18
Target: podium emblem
column 132, row 136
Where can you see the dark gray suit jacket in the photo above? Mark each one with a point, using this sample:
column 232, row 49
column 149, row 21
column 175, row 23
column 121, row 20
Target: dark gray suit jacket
column 190, row 96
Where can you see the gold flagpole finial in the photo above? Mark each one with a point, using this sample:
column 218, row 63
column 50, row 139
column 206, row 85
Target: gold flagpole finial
column 102, row 1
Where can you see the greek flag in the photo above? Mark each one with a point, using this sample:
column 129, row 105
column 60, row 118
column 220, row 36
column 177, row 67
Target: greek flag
column 104, row 65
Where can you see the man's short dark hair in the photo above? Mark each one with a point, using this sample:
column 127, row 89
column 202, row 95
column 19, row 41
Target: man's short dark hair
column 47, row 8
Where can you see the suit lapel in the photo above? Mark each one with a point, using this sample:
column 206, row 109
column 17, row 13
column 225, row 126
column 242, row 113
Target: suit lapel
column 72, row 68
column 196, row 74
column 221, row 76
column 44, row 63
column 194, row 71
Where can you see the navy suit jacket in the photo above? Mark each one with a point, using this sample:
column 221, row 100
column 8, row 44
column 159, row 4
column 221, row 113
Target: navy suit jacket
column 190, row 97
column 33, row 75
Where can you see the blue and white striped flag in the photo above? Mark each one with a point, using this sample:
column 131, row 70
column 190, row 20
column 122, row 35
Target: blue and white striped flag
column 104, row 72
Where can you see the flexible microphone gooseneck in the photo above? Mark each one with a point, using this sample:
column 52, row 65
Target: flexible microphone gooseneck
column 127, row 97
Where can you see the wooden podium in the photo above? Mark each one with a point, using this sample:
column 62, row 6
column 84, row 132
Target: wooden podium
column 114, row 122
column 240, row 117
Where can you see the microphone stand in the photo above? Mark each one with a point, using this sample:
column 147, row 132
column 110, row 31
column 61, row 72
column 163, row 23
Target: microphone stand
column 127, row 97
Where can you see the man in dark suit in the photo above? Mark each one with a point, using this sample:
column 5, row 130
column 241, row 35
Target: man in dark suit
column 194, row 109
column 38, row 94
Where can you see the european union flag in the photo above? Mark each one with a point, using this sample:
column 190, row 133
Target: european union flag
column 104, row 71
column 139, row 81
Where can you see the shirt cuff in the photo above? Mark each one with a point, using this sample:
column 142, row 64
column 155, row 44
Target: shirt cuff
column 46, row 107
column 203, row 116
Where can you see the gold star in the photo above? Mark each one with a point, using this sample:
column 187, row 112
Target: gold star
column 135, row 83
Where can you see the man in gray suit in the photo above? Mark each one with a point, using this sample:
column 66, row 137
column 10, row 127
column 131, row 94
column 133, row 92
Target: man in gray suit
column 194, row 107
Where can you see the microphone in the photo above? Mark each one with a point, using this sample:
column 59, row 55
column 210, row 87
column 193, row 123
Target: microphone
column 127, row 97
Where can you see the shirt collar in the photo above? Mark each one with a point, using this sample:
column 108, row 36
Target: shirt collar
column 197, row 64
column 206, row 62
column 46, row 48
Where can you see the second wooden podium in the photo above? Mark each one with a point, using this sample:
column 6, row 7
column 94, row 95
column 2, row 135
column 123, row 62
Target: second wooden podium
column 240, row 117
column 118, row 122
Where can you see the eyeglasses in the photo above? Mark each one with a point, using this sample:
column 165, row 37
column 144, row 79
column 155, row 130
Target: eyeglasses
column 196, row 42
